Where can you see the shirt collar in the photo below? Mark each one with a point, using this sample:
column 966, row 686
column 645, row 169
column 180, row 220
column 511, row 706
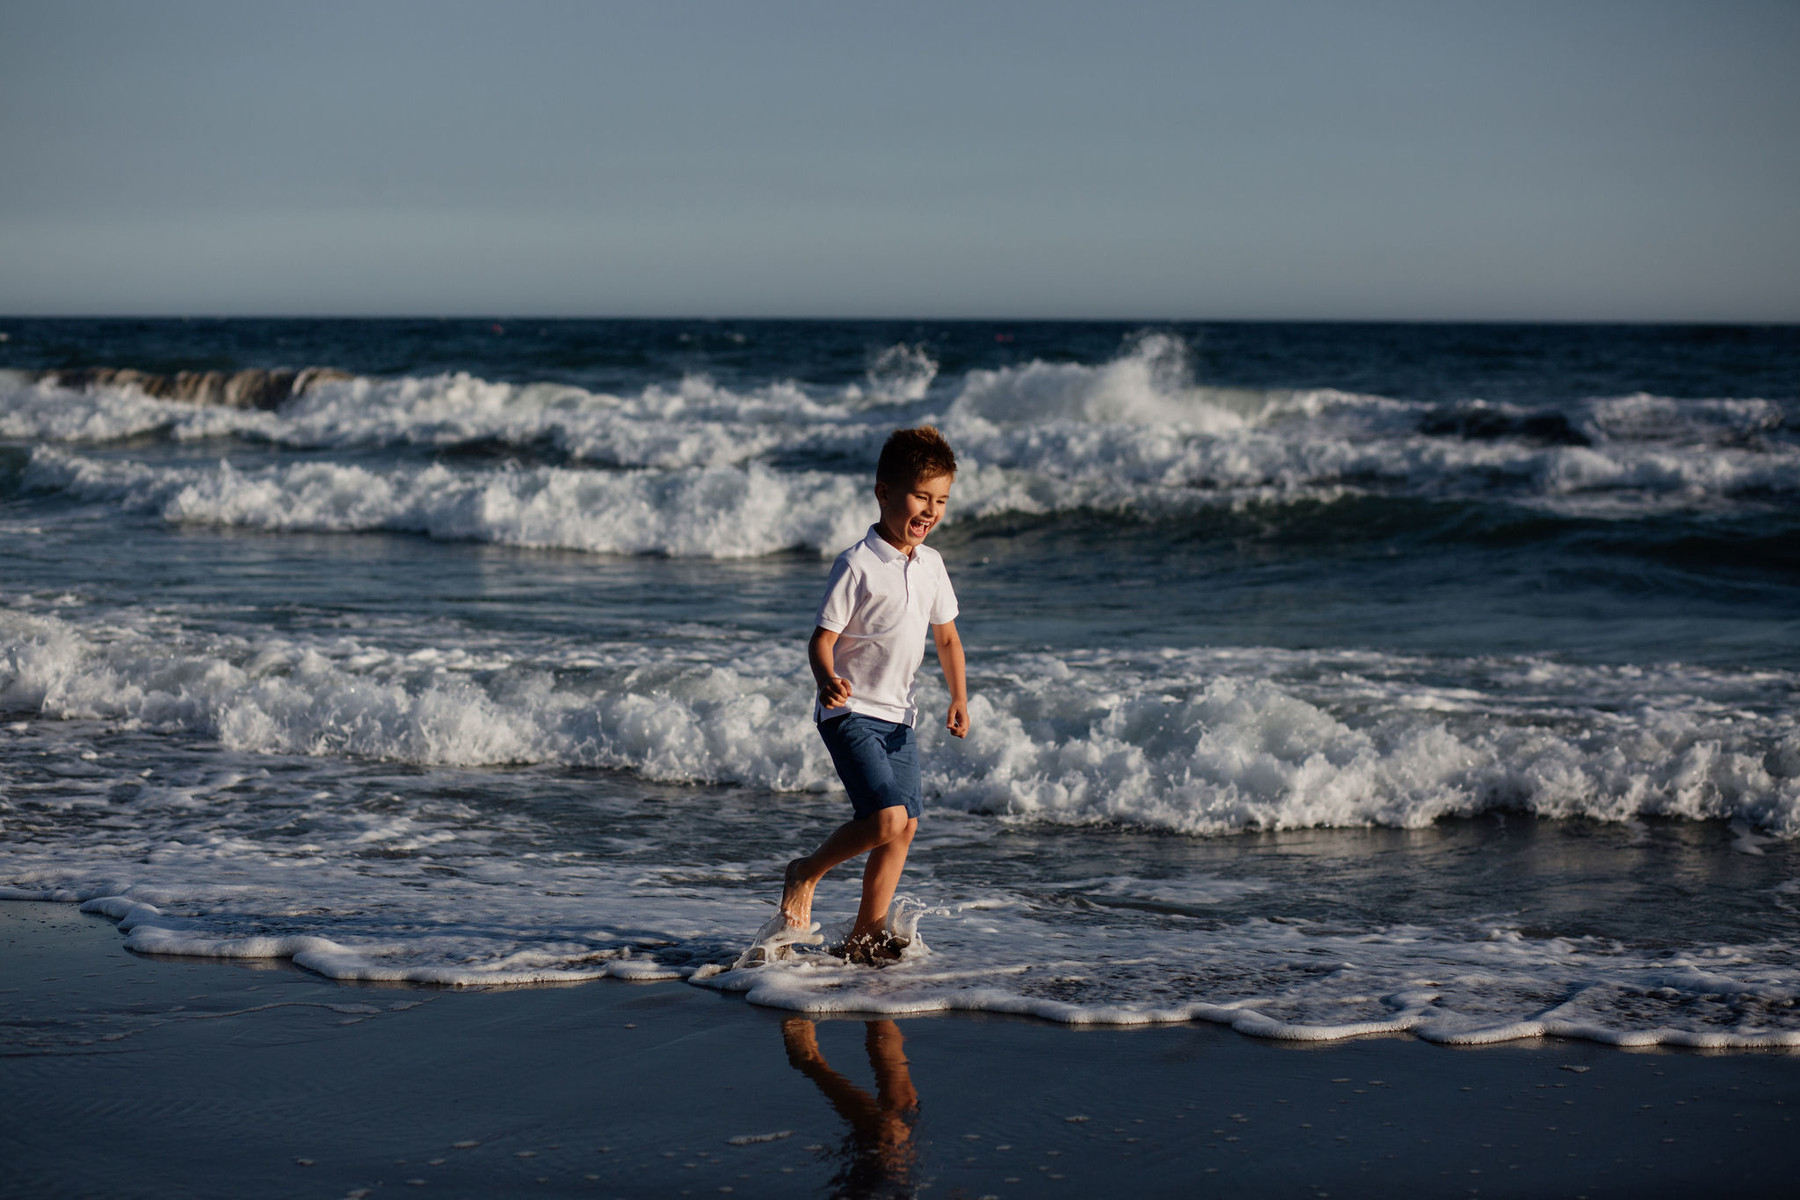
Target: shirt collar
column 883, row 551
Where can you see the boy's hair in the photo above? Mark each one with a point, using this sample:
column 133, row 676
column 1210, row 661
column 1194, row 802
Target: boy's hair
column 910, row 455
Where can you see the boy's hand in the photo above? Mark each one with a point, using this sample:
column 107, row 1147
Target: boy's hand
column 958, row 720
column 835, row 694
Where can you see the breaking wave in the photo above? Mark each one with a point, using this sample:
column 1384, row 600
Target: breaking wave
column 1196, row 741
column 699, row 469
column 724, row 512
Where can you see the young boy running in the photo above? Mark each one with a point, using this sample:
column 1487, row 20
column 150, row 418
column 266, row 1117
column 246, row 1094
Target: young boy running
column 883, row 596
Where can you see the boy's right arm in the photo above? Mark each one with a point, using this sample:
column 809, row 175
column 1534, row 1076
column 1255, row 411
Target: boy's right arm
column 833, row 691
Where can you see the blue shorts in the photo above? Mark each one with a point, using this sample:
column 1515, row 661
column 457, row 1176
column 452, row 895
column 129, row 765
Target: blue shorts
column 877, row 760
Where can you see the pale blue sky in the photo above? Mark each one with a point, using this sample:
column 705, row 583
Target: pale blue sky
column 1584, row 159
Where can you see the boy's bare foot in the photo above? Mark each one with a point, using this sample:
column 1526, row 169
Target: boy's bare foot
column 874, row 949
column 797, row 895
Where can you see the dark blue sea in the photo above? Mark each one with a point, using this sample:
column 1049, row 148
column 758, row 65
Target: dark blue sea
column 1326, row 679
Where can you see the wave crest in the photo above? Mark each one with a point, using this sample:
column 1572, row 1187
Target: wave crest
column 1134, row 434
column 727, row 512
column 1196, row 742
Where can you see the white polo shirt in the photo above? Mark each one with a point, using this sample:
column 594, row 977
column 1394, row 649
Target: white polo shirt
column 882, row 604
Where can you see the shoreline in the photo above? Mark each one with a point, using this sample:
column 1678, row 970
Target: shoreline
column 146, row 1076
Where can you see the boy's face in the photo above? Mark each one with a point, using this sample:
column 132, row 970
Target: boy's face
column 908, row 513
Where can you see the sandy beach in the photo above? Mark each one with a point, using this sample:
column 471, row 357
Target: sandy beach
column 132, row 1076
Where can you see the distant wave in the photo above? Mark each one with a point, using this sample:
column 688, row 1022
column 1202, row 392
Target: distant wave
column 751, row 510
column 1149, row 388
column 1198, row 742
column 699, row 512
column 557, row 465
column 740, row 509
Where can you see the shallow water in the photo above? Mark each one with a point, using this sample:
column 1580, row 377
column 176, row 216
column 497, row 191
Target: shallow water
column 1327, row 679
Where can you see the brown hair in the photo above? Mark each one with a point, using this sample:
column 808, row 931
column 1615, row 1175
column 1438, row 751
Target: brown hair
column 910, row 455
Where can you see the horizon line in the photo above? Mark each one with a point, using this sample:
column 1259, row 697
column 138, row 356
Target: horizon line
column 497, row 316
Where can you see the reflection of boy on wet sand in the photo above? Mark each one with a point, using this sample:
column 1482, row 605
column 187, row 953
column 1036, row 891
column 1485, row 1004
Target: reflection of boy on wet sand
column 882, row 1154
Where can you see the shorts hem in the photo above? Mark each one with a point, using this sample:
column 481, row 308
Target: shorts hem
column 877, row 761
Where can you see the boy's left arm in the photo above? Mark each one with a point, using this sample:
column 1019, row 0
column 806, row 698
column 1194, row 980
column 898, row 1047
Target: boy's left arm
column 950, row 657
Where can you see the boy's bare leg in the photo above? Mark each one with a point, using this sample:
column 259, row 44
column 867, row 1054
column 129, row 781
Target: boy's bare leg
column 881, row 876
column 797, row 895
column 846, row 842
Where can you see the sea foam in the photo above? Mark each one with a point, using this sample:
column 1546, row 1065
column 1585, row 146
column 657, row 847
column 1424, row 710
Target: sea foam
column 438, row 800
column 430, row 900
column 642, row 472
column 1193, row 741
column 704, row 512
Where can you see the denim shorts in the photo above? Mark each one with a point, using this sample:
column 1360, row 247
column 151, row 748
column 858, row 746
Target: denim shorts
column 877, row 760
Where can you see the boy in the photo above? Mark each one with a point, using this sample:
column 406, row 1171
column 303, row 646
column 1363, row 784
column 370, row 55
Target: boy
column 869, row 638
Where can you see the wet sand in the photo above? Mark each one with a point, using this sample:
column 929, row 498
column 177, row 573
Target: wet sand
column 122, row 1075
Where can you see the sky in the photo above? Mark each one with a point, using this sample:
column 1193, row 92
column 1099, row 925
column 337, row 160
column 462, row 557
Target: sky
column 1576, row 160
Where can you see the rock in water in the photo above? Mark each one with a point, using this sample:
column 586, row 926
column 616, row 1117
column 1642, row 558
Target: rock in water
column 253, row 387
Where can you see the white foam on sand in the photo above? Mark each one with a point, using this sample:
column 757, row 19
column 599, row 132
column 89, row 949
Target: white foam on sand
column 1295, row 981
column 490, row 919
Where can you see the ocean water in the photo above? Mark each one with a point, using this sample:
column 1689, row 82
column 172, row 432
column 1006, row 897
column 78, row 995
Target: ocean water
column 1326, row 679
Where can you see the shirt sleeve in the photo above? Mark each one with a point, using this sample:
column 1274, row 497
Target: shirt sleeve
column 943, row 604
column 840, row 597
